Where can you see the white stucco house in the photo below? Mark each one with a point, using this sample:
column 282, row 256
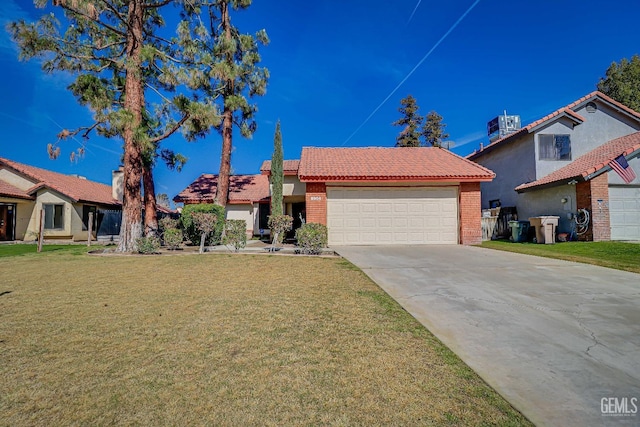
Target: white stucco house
column 562, row 163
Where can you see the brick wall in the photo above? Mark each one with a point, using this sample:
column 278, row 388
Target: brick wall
column 593, row 195
column 470, row 213
column 316, row 202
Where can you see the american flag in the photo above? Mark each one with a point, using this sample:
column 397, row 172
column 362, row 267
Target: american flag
column 622, row 168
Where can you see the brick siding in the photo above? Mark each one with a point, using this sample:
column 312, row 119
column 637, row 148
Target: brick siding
column 316, row 202
column 470, row 213
column 593, row 196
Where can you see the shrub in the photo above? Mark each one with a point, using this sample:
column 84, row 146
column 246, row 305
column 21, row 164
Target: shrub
column 172, row 238
column 190, row 231
column 235, row 233
column 312, row 238
column 279, row 224
column 148, row 245
column 167, row 223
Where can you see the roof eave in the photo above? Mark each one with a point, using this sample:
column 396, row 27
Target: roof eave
column 377, row 179
column 564, row 181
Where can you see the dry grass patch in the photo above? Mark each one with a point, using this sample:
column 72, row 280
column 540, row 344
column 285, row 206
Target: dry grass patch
column 221, row 340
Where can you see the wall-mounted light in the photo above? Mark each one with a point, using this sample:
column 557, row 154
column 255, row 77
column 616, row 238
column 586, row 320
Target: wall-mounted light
column 564, row 200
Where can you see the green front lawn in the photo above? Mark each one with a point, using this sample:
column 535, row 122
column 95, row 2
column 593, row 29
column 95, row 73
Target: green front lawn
column 221, row 340
column 618, row 255
column 10, row 250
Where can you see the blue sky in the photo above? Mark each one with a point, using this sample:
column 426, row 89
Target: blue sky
column 333, row 64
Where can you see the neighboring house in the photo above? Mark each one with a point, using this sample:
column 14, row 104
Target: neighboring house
column 560, row 164
column 378, row 195
column 248, row 198
column 66, row 200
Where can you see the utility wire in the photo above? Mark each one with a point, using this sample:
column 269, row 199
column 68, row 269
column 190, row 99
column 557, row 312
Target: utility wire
column 424, row 58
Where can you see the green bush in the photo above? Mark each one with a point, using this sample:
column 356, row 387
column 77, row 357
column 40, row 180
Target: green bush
column 236, row 233
column 167, row 223
column 172, row 238
column 148, row 245
column 312, row 238
column 190, row 230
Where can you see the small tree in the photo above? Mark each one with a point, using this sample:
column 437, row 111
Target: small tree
column 433, row 130
column 622, row 82
column 277, row 173
column 235, row 233
column 410, row 121
column 205, row 223
column 280, row 224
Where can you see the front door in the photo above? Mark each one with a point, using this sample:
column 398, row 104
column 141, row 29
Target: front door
column 298, row 212
column 6, row 222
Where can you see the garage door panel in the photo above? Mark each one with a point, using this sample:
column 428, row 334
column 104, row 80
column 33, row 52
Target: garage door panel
column 624, row 212
column 392, row 216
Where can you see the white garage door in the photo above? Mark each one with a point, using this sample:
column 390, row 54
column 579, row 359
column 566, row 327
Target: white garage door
column 402, row 215
column 624, row 211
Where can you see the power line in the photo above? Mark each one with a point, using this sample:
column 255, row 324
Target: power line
column 424, row 58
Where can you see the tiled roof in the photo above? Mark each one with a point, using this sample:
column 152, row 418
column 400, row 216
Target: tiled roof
column 388, row 164
column 566, row 111
column 590, row 163
column 289, row 167
column 77, row 189
column 9, row 190
column 242, row 189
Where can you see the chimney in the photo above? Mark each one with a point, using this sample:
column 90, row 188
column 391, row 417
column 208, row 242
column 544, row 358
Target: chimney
column 117, row 182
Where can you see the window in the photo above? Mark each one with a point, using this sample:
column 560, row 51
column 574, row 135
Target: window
column 53, row 217
column 554, row 147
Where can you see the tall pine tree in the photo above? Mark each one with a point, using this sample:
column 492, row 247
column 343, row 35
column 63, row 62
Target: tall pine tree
column 433, row 130
column 123, row 61
column 237, row 77
column 410, row 121
column 277, row 173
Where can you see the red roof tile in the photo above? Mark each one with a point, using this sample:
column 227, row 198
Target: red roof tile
column 564, row 111
column 77, row 189
column 388, row 164
column 242, row 189
column 592, row 162
column 289, row 167
column 9, row 190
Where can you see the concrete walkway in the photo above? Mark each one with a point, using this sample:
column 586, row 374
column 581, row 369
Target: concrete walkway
column 554, row 338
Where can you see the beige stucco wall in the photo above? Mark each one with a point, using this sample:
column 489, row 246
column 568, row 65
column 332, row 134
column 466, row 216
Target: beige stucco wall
column 18, row 181
column 47, row 196
column 247, row 212
column 291, row 186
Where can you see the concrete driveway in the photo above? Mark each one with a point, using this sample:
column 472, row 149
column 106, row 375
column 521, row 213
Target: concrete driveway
column 554, row 338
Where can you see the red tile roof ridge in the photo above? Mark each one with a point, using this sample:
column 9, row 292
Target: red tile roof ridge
column 589, row 163
column 289, row 167
column 9, row 190
column 568, row 109
column 388, row 164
